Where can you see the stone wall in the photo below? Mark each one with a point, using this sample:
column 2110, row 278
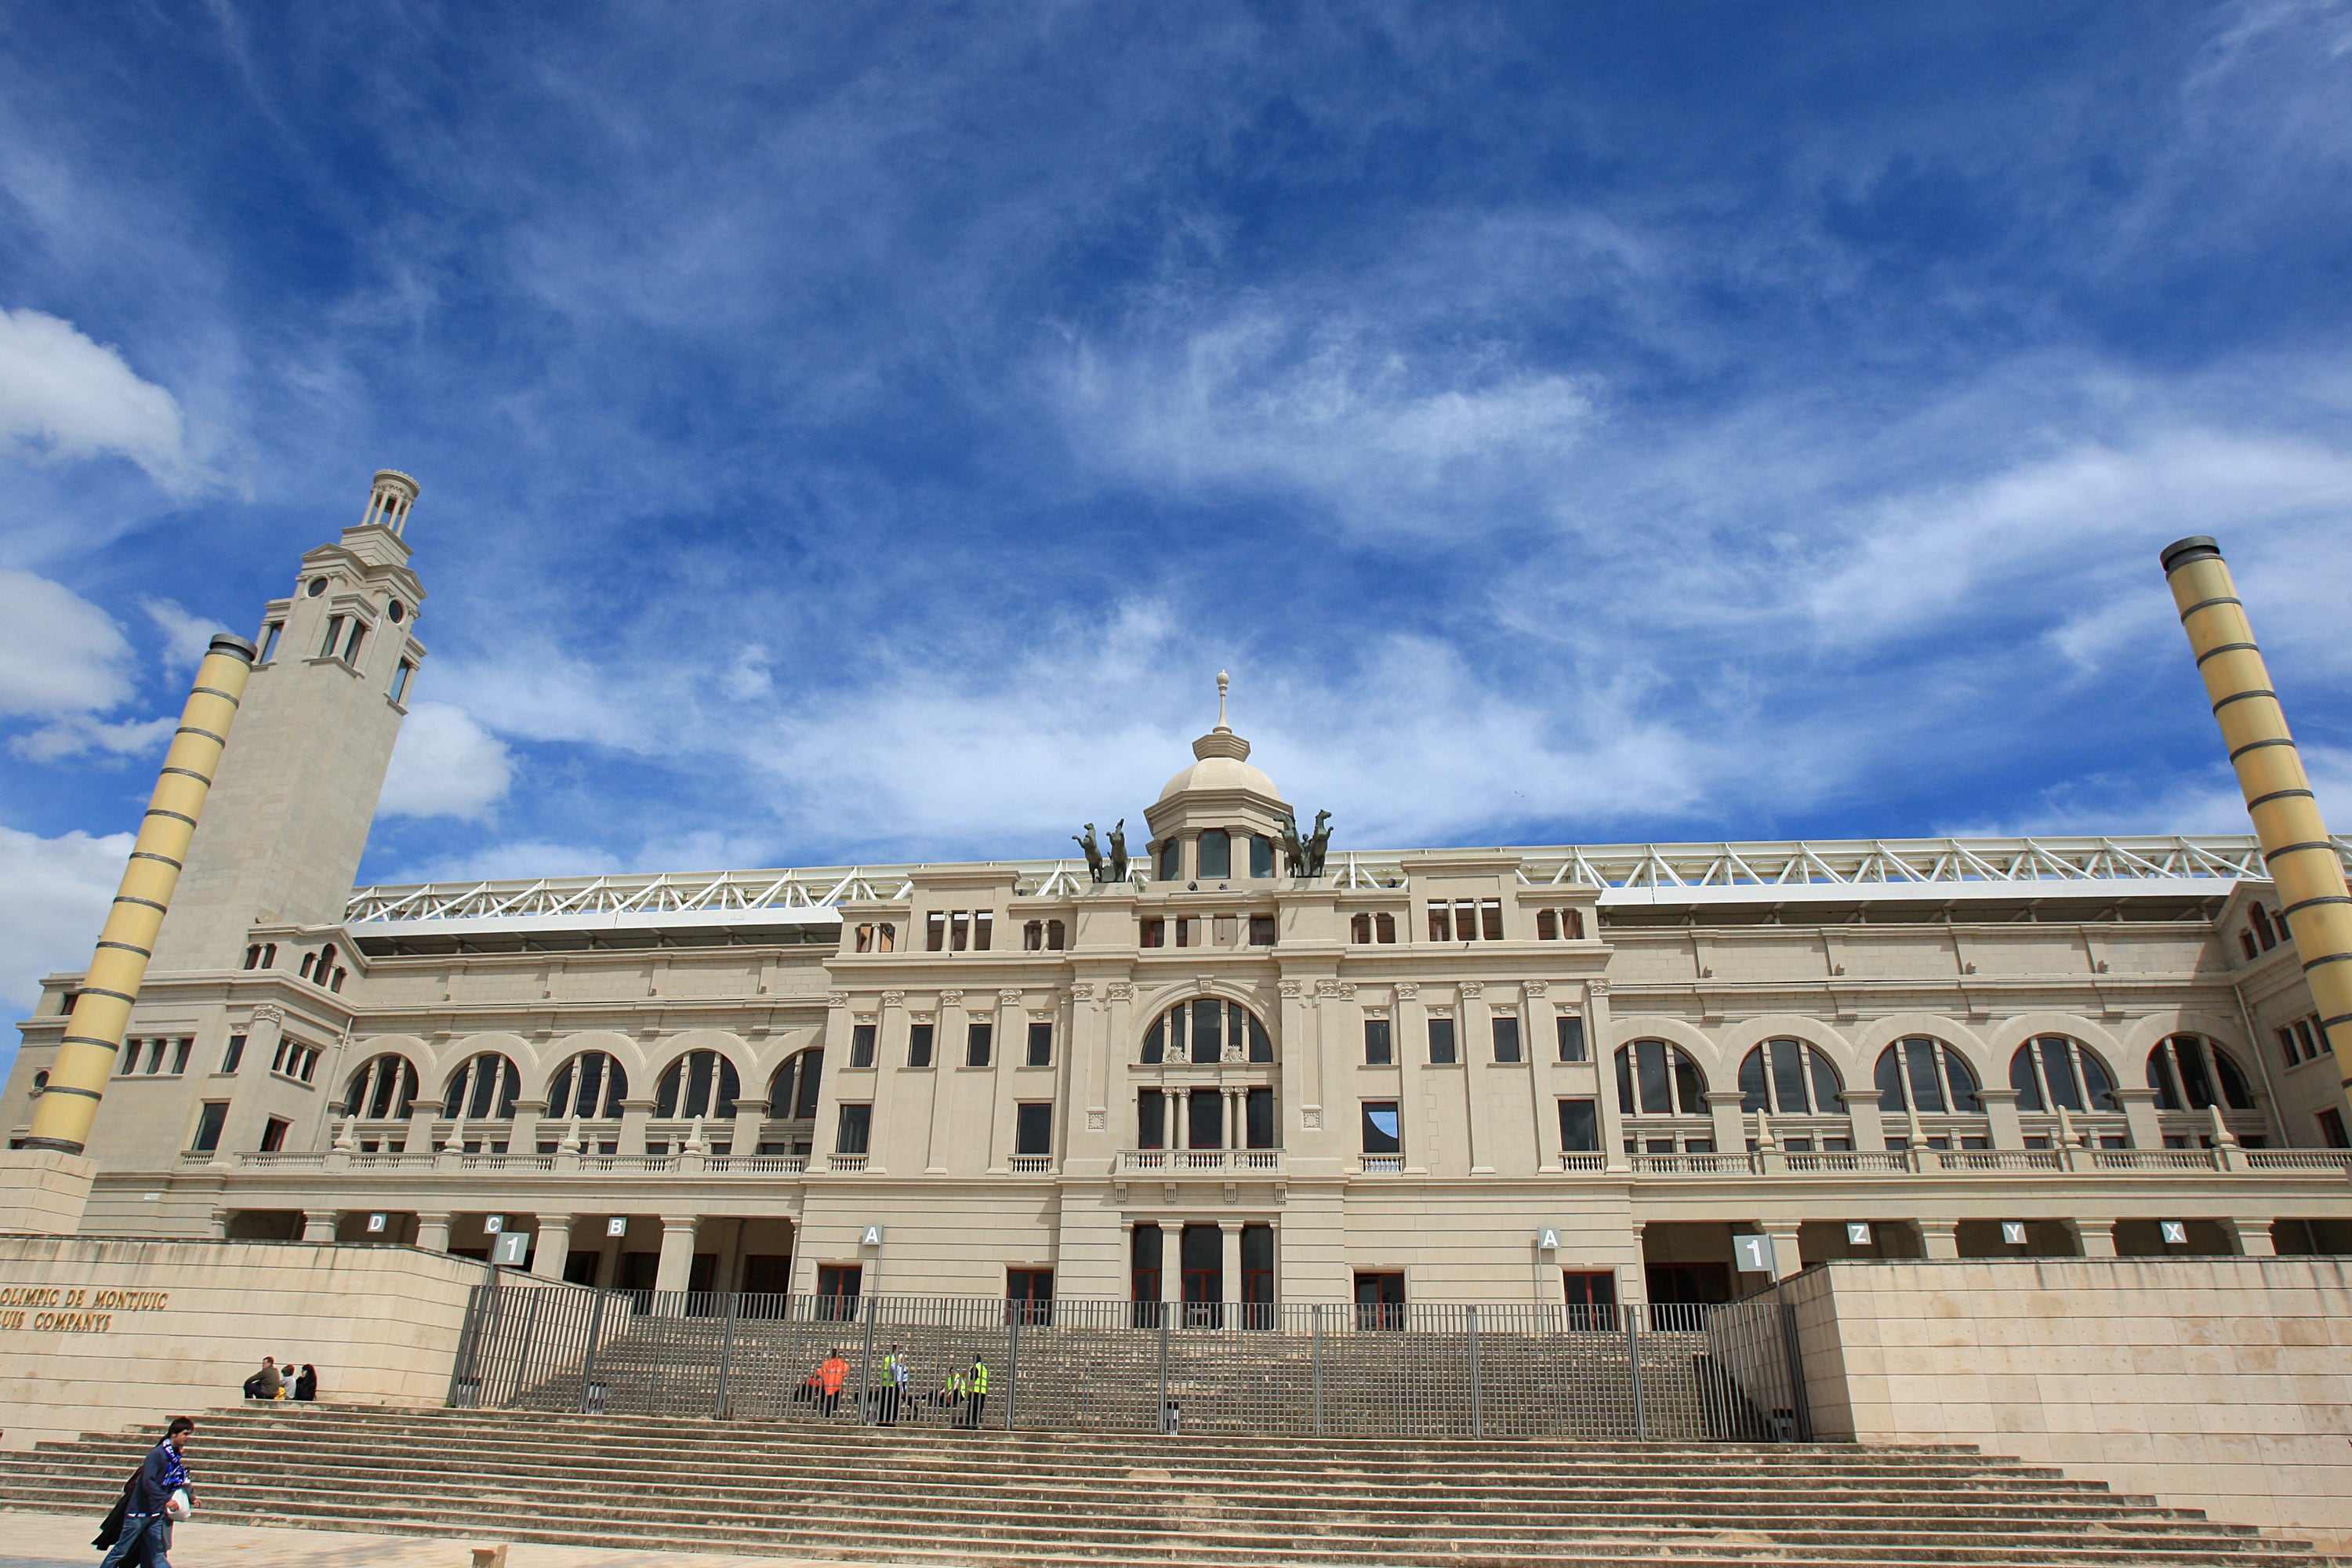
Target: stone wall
column 95, row 1335
column 2220, row 1383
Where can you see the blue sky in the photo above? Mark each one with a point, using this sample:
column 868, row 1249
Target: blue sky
column 859, row 433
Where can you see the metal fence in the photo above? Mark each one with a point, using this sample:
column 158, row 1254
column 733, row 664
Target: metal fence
column 1725, row 1372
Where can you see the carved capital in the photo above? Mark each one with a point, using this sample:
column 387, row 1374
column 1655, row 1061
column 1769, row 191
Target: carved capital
column 894, row 998
column 269, row 1012
column 1082, row 991
column 836, row 998
column 1118, row 991
column 1469, row 988
column 1294, row 988
column 1596, row 988
column 1334, row 989
column 1535, row 990
column 1008, row 998
column 1407, row 990
column 951, row 998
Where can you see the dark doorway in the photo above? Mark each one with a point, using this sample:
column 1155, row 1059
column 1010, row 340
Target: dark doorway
column 579, row 1268
column 1029, row 1295
column 1678, row 1290
column 639, row 1271
column 1257, row 1275
column 1380, row 1300
column 1204, row 1276
column 836, row 1291
column 1592, row 1297
column 768, row 1273
column 1143, row 1278
column 1205, row 1119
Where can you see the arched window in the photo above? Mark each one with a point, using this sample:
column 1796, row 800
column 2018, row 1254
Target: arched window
column 1032, row 937
column 383, row 1089
column 590, row 1087
column 1216, row 853
column 2259, row 917
column 699, row 1083
column 326, row 961
column 791, row 1093
column 1926, row 1076
column 1655, row 1079
column 484, row 1089
column 310, row 962
column 2190, row 1074
column 1789, row 1077
column 1203, row 1029
column 2053, row 1070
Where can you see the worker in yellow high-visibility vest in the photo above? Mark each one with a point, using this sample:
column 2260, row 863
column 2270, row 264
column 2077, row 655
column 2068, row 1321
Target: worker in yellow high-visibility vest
column 975, row 1392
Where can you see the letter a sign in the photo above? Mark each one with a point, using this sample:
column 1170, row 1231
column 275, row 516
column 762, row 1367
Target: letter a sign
column 873, row 1236
column 1549, row 1241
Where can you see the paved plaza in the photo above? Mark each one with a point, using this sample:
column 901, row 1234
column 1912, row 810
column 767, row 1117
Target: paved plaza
column 62, row 1541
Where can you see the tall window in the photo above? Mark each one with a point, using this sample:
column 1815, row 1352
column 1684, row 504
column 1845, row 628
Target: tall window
column 1150, row 1120
column 861, row 1045
column 2053, row 1070
column 1216, row 854
column 856, row 1129
column 1257, row 1275
column 2190, row 1074
column 1378, row 1049
column 1260, row 855
column 1384, row 1131
column 484, row 1089
column 1172, row 860
column 400, row 677
column 1205, row 1119
column 1507, row 1039
column 1257, row 1112
column 1926, row 1075
column 699, row 1083
column 1788, row 1078
column 1580, row 1126
column 979, row 1040
column 793, row 1092
column 918, row 1044
column 1032, row 1128
column 1441, row 1051
column 209, row 1122
column 1655, row 1079
column 384, row 1089
column 1572, row 1037
column 590, row 1087
column 1041, row 1045
column 1199, row 1030
column 1143, row 1271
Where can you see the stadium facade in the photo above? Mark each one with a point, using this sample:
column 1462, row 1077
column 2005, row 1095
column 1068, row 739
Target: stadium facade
column 1441, row 1075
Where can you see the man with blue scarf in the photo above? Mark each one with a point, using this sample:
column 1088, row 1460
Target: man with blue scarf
column 146, row 1522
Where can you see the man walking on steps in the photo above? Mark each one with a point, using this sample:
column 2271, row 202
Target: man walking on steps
column 146, row 1504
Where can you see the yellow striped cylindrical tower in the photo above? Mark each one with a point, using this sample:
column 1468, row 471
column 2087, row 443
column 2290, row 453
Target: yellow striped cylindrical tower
column 2303, row 861
column 101, row 1008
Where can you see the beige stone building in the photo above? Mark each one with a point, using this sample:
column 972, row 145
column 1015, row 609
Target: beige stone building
column 1467, row 1075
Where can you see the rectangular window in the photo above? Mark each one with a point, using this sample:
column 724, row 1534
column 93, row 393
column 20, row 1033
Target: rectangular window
column 233, row 1055
column 1205, row 1119
column 1172, row 860
column 1441, row 923
column 935, row 932
column 2331, row 1128
column 977, row 1039
column 334, row 636
column 1257, row 1275
column 982, row 925
column 1261, row 930
column 400, row 674
column 2308, row 1030
column 1260, row 855
column 1465, row 920
column 959, row 931
column 1188, row 932
column 1225, row 929
column 180, row 1055
column 277, row 1061
column 1441, row 1042
column 1143, row 1271
column 1032, row 1128
column 1507, row 1039
column 1155, row 933
column 1381, row 1127
column 1580, row 1126
column 209, row 1122
column 273, row 1136
column 919, row 1045
column 857, row 1128
column 1378, row 1050
column 1572, row 1038
column 1257, row 1111
column 269, row 635
column 2288, row 1047
column 1592, row 1298
column 1041, row 1045
column 155, row 1055
column 836, row 1287
column 1490, row 919
column 359, row 634
column 1150, row 1120
column 1216, row 854
column 1029, row 1295
column 861, row 1045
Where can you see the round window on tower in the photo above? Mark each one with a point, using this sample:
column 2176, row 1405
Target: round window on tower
column 398, row 611
column 318, row 586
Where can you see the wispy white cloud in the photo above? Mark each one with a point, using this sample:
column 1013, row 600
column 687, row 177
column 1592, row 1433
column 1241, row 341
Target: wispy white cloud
column 78, row 736
column 59, row 890
column 64, row 397
column 59, row 653
column 445, row 765
column 185, row 636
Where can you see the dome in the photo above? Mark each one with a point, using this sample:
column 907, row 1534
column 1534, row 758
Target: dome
column 1222, row 765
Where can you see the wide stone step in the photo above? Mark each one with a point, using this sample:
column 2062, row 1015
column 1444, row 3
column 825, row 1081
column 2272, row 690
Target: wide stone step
column 1107, row 1501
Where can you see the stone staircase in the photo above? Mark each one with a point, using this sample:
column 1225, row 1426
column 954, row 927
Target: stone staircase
column 1029, row 1498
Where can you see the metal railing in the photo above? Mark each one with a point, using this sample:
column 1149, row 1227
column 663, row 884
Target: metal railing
column 1526, row 1370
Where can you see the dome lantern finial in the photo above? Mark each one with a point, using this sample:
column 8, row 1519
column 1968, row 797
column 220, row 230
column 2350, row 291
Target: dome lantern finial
column 1224, row 683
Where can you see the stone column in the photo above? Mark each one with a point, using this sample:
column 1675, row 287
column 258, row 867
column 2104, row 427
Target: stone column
column 2139, row 1115
column 1731, row 1126
column 1231, row 1238
column 1172, row 1268
column 553, row 1246
column 2000, row 1109
column 523, row 1137
column 422, row 1115
column 220, row 1225
column 1409, row 1036
column 743, row 1135
column 1942, row 1237
column 1476, row 1021
column 1862, row 1111
column 1788, row 1256
column 432, row 1231
column 676, row 1267
column 1604, row 1068
column 635, row 1114
column 2251, row 1237
column 2098, row 1237
column 318, row 1224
